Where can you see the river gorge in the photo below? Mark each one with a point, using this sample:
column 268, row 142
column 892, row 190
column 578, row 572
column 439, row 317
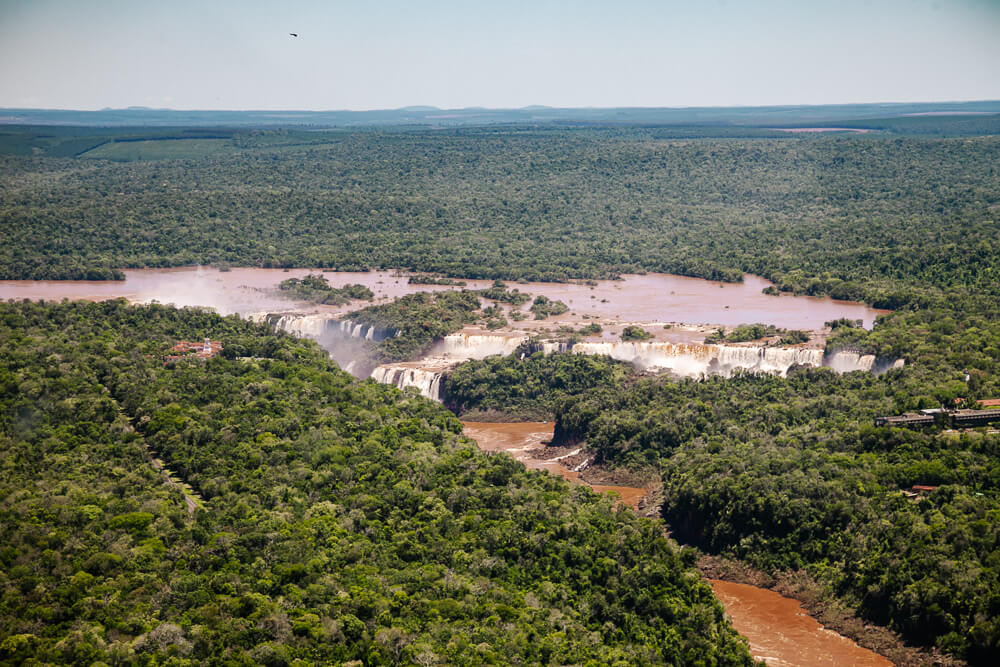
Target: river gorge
column 778, row 629
column 679, row 313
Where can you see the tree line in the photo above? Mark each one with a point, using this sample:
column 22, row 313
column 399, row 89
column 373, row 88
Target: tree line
column 866, row 218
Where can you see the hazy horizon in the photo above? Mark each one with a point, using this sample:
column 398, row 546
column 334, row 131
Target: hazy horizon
column 139, row 107
column 352, row 56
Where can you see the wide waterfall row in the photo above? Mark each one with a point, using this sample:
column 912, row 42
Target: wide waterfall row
column 694, row 360
column 768, row 359
column 688, row 359
column 428, row 382
column 554, row 348
column 845, row 362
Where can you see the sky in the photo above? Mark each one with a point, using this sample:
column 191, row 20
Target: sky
column 385, row 54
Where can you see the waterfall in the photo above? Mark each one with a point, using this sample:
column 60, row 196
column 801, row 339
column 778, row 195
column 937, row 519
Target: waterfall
column 308, row 326
column 779, row 359
column 696, row 359
column 317, row 325
column 686, row 359
column 344, row 340
column 370, row 332
column 427, row 382
column 477, row 346
column 846, row 361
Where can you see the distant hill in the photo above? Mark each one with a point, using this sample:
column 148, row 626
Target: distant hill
column 776, row 116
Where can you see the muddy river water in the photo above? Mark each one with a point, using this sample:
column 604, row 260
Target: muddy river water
column 522, row 441
column 779, row 631
column 635, row 298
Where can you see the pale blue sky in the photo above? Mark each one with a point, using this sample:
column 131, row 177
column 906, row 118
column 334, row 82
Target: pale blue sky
column 183, row 54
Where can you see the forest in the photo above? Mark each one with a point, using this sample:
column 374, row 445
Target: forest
column 316, row 289
column 340, row 521
column 790, row 474
column 529, row 389
column 883, row 219
column 417, row 321
column 333, row 506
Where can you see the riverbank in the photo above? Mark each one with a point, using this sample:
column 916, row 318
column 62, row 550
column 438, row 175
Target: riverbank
column 827, row 610
column 793, row 594
column 528, row 443
column 774, row 625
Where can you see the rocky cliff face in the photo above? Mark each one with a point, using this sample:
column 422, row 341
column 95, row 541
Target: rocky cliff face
column 344, row 339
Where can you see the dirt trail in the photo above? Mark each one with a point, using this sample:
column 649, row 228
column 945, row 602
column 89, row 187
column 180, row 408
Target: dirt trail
column 191, row 498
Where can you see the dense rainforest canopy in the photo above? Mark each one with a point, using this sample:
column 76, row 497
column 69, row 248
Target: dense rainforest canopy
column 791, row 474
column 340, row 520
column 329, row 503
column 416, row 321
column 526, row 387
column 316, row 289
column 866, row 217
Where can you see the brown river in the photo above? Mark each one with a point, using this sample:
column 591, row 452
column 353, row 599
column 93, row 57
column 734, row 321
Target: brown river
column 778, row 629
column 650, row 298
column 521, row 441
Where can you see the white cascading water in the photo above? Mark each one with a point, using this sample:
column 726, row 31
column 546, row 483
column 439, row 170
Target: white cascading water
column 768, row 359
column 342, row 339
column 845, row 362
column 552, row 348
column 427, row 382
column 694, row 359
column 317, row 325
column 686, row 359
column 309, row 326
column 365, row 331
column 451, row 349
column 476, row 346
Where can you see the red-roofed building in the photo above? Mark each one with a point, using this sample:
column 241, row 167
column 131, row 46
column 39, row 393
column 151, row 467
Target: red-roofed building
column 188, row 350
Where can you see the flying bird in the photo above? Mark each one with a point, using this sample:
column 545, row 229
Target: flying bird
column 294, row 34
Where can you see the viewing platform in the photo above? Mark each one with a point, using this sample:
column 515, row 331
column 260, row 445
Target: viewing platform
column 952, row 418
